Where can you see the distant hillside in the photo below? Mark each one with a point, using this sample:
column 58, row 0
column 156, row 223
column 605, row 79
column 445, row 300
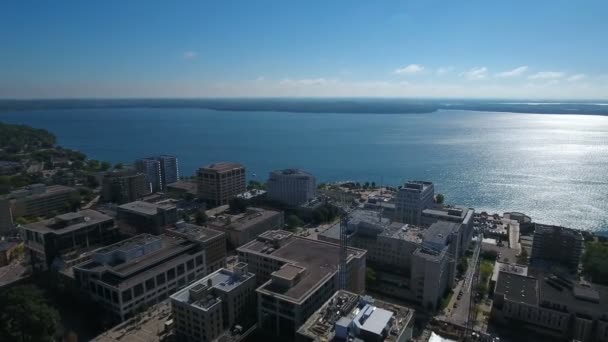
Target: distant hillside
column 318, row 105
column 17, row 138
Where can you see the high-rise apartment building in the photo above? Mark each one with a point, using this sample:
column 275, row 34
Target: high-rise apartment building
column 215, row 305
column 123, row 186
column 293, row 187
column 412, row 199
column 220, row 182
column 556, row 244
column 159, row 171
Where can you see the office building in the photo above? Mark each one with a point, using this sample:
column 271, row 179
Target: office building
column 123, row 186
column 296, row 276
column 293, row 187
column 213, row 242
column 180, row 188
column 141, row 271
column 142, row 217
column 6, row 216
column 220, row 182
column 222, row 303
column 244, row 227
column 347, row 316
column 412, row 199
column 554, row 306
column 159, row 171
column 150, row 167
column 67, row 239
column 39, row 200
column 462, row 215
column 557, row 245
column 412, row 262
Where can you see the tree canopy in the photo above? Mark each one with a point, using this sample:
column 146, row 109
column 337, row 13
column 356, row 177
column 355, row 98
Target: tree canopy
column 26, row 315
column 595, row 262
column 16, row 138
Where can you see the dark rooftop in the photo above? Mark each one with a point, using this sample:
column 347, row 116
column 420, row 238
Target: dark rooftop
column 68, row 222
column 517, row 288
column 320, row 260
column 223, row 166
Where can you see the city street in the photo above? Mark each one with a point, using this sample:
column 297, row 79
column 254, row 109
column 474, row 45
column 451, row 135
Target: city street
column 457, row 310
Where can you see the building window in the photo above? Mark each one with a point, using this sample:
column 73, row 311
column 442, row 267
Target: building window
column 126, row 295
column 150, row 284
column 171, row 274
column 160, row 279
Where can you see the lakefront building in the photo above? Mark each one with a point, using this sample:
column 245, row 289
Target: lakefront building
column 218, row 183
column 293, row 187
column 557, row 245
column 412, row 199
column 221, row 303
column 141, row 271
column 295, row 277
column 159, row 171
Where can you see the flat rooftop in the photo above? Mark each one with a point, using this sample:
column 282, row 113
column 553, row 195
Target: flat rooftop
column 193, row 231
column 222, row 166
column 439, row 232
column 243, row 221
column 343, row 307
column 518, row 288
column 190, row 187
column 223, row 280
column 173, row 250
column 320, row 260
column 406, row 232
column 80, row 219
column 144, row 208
column 291, row 172
column 579, row 297
column 147, row 327
column 448, row 212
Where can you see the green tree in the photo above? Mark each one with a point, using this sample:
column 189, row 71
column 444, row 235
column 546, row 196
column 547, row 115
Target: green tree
column 463, row 265
column 238, row 205
column 293, row 221
column 26, row 316
column 104, row 166
column 119, row 166
column 439, row 198
column 92, row 181
column 253, row 184
column 366, row 185
column 522, row 258
column 186, row 217
column 595, row 262
column 201, row 217
column 370, row 277
column 373, row 185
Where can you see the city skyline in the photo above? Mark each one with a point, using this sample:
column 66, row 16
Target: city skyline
column 545, row 50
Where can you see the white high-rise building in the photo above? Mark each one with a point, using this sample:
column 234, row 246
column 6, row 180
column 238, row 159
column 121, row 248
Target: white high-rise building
column 291, row 186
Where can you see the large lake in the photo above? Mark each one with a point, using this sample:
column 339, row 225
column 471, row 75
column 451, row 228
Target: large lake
column 552, row 167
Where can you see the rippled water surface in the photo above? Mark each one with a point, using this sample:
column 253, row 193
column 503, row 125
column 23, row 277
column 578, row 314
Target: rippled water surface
column 552, row 167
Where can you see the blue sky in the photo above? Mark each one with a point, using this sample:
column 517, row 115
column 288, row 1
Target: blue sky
column 509, row 49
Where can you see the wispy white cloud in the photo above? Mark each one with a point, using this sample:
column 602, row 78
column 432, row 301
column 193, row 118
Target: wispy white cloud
column 577, row 77
column 513, row 73
column 410, row 69
column 444, row 70
column 190, row 54
column 474, row 74
column 547, row 75
column 306, row 81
